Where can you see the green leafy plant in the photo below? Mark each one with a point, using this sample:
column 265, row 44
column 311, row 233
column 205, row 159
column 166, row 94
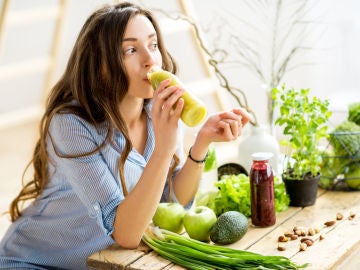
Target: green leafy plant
column 305, row 125
column 341, row 166
column 233, row 194
column 210, row 161
column 354, row 112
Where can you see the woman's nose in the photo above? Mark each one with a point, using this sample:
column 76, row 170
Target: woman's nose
column 149, row 58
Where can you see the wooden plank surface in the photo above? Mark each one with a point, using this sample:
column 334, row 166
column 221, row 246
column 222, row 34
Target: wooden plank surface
column 255, row 234
column 115, row 257
column 340, row 239
column 150, row 261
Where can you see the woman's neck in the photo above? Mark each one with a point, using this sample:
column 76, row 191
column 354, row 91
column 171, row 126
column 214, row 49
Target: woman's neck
column 131, row 110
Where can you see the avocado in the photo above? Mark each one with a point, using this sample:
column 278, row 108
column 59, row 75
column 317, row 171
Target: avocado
column 230, row 227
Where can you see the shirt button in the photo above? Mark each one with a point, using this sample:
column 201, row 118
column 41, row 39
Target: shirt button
column 96, row 207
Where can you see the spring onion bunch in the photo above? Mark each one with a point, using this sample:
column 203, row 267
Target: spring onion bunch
column 198, row 255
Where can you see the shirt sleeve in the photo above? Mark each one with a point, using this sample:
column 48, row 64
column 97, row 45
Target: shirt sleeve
column 89, row 175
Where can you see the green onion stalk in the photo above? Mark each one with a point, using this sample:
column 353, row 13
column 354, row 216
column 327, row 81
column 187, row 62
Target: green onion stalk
column 197, row 255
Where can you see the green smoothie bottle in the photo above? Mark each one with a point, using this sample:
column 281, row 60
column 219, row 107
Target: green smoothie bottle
column 194, row 111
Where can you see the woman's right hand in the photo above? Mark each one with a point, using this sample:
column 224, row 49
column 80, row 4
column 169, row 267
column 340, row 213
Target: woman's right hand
column 166, row 110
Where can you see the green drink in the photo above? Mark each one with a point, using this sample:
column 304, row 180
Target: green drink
column 194, row 111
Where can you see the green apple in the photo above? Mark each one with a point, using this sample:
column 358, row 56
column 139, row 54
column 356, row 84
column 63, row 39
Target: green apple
column 198, row 223
column 169, row 216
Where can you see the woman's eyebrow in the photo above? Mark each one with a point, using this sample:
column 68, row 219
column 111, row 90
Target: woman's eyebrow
column 135, row 39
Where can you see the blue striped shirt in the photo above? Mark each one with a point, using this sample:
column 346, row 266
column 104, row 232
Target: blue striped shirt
column 74, row 215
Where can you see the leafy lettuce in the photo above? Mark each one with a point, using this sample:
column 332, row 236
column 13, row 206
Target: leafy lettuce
column 234, row 194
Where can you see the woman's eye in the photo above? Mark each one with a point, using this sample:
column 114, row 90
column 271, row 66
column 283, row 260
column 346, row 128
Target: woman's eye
column 154, row 46
column 130, row 51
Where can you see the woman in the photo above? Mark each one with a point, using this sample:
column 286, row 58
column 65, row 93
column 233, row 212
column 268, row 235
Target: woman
column 110, row 148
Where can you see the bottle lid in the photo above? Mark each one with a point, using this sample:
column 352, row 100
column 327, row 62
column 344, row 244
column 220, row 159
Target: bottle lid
column 262, row 156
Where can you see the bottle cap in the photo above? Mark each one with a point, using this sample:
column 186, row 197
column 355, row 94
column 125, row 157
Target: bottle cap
column 262, row 156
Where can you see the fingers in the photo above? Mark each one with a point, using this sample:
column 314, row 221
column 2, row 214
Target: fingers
column 179, row 107
column 230, row 123
column 231, row 129
column 245, row 116
column 238, row 114
column 235, row 127
column 170, row 97
column 167, row 100
column 231, row 116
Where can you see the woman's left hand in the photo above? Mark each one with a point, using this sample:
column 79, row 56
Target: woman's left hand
column 224, row 126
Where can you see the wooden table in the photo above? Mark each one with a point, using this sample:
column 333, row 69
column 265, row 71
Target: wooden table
column 341, row 241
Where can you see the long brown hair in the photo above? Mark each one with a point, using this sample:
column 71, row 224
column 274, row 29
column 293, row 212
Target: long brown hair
column 97, row 51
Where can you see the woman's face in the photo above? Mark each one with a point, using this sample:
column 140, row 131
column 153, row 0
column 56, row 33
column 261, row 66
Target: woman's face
column 140, row 52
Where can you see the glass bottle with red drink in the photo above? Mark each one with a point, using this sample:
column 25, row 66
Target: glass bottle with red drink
column 262, row 190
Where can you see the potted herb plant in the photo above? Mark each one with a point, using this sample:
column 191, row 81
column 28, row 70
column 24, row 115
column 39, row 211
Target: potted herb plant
column 304, row 120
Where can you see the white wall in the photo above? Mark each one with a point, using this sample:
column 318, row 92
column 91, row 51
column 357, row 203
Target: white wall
column 336, row 58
